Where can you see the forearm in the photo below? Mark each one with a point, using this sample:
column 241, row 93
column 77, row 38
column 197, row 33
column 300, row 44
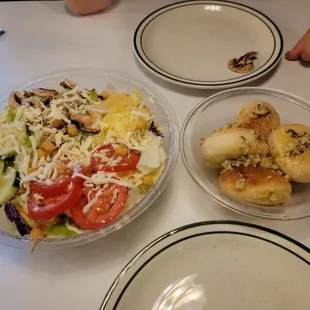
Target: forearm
column 84, row 7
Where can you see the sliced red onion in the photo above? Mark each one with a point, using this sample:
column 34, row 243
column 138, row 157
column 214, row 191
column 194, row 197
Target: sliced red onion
column 11, row 212
column 154, row 130
column 22, row 227
column 13, row 215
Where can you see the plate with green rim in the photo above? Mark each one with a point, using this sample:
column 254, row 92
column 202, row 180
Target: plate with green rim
column 190, row 43
column 216, row 265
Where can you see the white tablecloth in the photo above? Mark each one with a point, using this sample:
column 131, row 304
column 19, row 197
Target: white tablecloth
column 42, row 37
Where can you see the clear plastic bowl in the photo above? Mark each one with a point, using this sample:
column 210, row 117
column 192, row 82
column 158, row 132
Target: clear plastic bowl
column 164, row 115
column 222, row 108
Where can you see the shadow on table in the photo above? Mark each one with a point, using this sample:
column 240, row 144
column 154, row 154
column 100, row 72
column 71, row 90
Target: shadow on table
column 305, row 64
column 296, row 229
column 200, row 92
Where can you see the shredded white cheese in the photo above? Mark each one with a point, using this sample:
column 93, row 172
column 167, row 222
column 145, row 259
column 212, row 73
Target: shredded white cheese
column 57, row 113
column 58, row 138
column 37, row 197
column 114, row 197
column 34, row 151
column 103, row 178
column 72, row 228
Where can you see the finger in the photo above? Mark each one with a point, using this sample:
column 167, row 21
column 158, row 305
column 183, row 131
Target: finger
column 294, row 53
column 305, row 55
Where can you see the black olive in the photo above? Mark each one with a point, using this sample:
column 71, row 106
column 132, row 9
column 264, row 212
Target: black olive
column 28, row 131
column 10, row 159
column 63, row 216
column 17, row 99
column 47, row 102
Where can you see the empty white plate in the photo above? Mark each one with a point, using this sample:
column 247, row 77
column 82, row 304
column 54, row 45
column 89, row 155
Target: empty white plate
column 190, row 43
column 215, row 266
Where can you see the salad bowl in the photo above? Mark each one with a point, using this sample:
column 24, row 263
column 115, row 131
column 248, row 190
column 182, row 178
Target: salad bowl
column 162, row 127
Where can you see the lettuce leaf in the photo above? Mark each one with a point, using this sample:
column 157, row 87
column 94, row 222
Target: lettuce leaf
column 11, row 114
column 93, row 95
column 59, row 229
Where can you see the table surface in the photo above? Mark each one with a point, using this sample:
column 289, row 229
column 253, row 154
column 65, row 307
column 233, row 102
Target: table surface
column 43, row 36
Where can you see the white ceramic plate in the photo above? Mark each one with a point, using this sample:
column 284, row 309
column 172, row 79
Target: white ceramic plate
column 215, row 266
column 190, row 43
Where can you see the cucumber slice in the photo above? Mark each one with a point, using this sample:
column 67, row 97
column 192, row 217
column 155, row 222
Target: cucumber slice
column 7, row 189
column 16, row 182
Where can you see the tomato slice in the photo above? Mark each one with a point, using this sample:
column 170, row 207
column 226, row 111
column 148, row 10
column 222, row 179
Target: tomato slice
column 57, row 198
column 55, row 189
column 59, row 187
column 127, row 163
column 106, row 208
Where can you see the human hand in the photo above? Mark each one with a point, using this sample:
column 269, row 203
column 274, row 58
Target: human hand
column 301, row 50
column 85, row 7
